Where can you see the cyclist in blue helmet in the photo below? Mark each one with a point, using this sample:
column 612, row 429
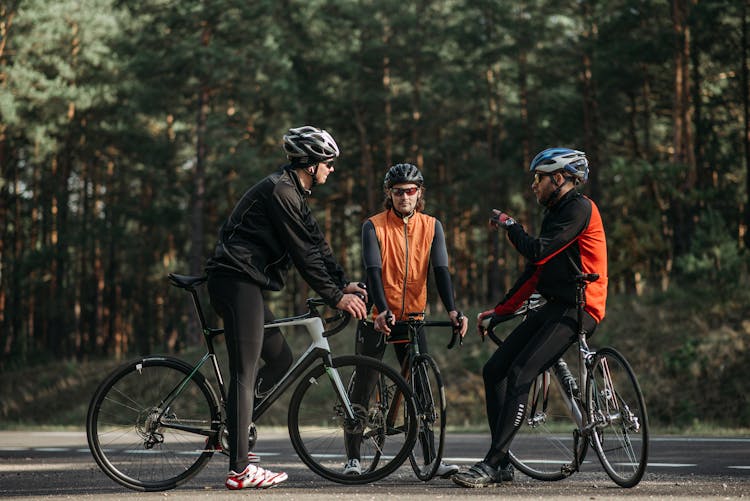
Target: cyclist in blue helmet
column 571, row 164
column 571, row 241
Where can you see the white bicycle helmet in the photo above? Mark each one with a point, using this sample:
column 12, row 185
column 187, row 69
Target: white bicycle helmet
column 309, row 145
column 572, row 162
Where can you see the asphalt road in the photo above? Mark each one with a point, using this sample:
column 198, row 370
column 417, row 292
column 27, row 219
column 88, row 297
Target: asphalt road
column 58, row 465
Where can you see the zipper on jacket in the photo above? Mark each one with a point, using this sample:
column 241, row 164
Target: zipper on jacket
column 406, row 272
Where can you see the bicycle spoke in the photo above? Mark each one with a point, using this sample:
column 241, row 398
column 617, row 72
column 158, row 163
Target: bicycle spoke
column 429, row 396
column 617, row 409
column 544, row 447
column 381, row 434
column 139, row 444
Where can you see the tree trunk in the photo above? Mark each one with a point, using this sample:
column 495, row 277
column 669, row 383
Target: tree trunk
column 590, row 106
column 745, row 227
column 683, row 156
column 197, row 258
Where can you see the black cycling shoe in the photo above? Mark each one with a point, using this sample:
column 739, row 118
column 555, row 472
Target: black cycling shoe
column 480, row 475
column 506, row 472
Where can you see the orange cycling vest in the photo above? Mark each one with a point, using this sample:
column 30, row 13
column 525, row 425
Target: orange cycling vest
column 405, row 246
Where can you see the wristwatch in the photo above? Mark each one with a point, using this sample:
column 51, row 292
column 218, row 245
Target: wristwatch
column 509, row 222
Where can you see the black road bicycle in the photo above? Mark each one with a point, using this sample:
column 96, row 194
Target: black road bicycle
column 154, row 422
column 421, row 371
column 609, row 416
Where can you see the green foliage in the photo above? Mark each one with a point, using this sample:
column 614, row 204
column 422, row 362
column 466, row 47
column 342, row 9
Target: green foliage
column 714, row 258
column 101, row 140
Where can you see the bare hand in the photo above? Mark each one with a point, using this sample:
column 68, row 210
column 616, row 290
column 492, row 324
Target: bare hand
column 464, row 322
column 353, row 304
column 356, row 288
column 481, row 325
column 382, row 320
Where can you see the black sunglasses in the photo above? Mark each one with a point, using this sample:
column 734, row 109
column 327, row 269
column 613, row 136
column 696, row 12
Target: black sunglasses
column 538, row 177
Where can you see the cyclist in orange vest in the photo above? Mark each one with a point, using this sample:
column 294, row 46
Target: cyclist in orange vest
column 571, row 242
column 399, row 245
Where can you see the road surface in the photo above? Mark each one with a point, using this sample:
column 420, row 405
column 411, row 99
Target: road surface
column 58, row 465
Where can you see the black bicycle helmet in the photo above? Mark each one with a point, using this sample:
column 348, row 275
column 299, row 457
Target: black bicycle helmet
column 402, row 173
column 309, row 145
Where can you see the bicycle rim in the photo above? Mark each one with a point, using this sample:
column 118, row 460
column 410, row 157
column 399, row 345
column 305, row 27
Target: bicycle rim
column 544, row 446
column 618, row 411
column 128, row 427
column 383, row 430
column 429, row 397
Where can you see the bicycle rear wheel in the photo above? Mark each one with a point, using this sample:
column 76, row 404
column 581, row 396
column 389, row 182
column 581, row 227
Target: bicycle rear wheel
column 544, row 448
column 429, row 396
column 143, row 443
column 618, row 411
column 384, row 426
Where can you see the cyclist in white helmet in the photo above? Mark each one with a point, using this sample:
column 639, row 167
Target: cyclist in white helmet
column 270, row 229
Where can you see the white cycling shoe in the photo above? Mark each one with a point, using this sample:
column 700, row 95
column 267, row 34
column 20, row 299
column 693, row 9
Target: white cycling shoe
column 443, row 471
column 352, row 467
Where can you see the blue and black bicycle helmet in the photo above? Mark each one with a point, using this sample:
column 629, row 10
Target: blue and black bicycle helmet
column 572, row 162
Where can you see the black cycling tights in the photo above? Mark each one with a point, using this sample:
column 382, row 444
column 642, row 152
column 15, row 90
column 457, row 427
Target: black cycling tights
column 532, row 347
column 240, row 304
column 372, row 343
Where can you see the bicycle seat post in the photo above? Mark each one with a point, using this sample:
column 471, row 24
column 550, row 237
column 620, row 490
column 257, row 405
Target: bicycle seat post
column 198, row 309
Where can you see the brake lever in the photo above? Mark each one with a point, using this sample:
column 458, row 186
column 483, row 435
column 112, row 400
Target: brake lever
column 457, row 332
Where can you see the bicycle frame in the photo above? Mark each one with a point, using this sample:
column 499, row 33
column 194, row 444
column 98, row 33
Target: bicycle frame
column 319, row 349
column 604, row 403
column 175, row 410
column 413, row 326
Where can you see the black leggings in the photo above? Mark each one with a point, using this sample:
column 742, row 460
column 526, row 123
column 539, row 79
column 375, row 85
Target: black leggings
column 532, row 347
column 372, row 343
column 240, row 304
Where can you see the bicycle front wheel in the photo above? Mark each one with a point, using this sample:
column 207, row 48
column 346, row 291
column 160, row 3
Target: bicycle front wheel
column 546, row 446
column 382, row 430
column 141, row 438
column 429, row 397
column 617, row 412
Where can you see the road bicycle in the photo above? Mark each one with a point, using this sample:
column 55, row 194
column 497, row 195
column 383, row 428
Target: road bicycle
column 153, row 423
column 421, row 371
column 609, row 416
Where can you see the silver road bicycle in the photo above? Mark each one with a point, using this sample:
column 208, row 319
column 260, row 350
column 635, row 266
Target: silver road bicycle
column 154, row 422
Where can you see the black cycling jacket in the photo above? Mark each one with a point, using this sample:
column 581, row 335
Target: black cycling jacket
column 272, row 227
column 571, row 241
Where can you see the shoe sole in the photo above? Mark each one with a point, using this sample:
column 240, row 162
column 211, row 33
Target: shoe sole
column 448, row 474
column 464, row 483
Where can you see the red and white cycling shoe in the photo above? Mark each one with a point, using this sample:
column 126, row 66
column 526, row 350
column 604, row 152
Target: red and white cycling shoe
column 254, row 477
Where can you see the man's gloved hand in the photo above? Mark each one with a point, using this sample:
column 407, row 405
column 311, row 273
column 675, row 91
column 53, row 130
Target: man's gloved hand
column 500, row 219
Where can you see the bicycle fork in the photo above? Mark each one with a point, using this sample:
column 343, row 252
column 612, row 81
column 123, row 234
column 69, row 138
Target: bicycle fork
column 338, row 386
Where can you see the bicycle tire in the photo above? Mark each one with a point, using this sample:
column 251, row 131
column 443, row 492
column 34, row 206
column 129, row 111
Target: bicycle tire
column 544, row 447
column 429, row 397
column 317, row 421
column 125, row 425
column 618, row 412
